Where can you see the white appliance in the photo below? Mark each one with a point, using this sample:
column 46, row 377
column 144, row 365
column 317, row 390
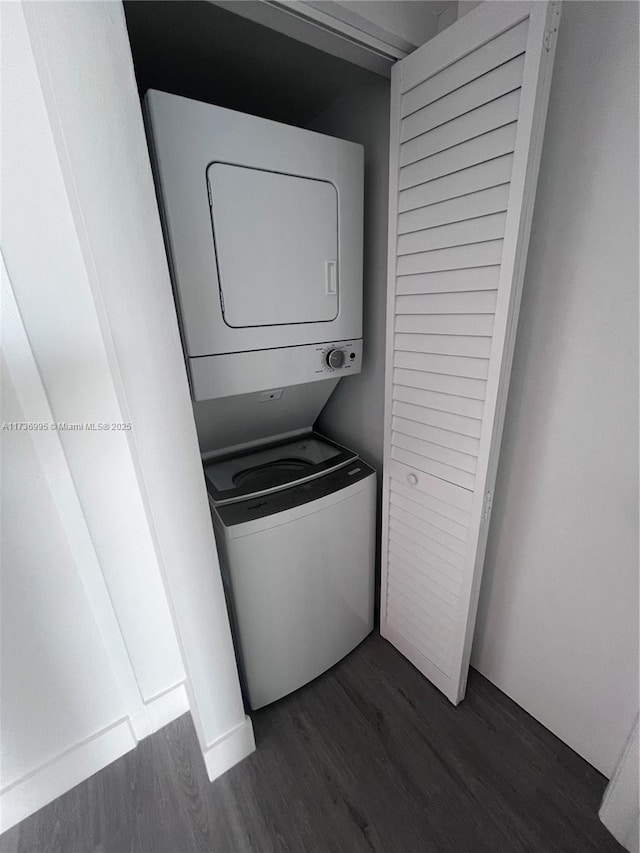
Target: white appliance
column 263, row 225
column 295, row 527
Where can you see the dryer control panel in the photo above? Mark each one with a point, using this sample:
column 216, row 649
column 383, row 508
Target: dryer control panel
column 247, row 372
column 341, row 358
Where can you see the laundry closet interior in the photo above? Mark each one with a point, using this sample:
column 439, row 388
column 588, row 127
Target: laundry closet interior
column 212, row 55
column 313, row 357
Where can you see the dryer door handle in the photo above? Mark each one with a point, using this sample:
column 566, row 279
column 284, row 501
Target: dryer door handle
column 330, row 277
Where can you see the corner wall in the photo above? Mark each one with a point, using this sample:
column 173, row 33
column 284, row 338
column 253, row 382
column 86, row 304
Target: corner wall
column 354, row 414
column 557, row 626
column 82, row 243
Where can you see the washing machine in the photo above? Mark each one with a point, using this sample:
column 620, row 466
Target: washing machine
column 295, row 527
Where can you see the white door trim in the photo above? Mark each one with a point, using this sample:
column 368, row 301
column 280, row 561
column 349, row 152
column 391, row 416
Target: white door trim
column 332, row 29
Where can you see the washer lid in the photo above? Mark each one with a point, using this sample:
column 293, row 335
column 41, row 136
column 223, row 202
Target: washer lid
column 273, row 467
column 276, row 243
column 263, row 506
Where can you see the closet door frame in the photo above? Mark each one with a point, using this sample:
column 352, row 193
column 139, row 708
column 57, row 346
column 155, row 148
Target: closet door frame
column 478, row 27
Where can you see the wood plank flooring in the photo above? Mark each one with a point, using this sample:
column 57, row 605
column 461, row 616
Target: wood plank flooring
column 369, row 757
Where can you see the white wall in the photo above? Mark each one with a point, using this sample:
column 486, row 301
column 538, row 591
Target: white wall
column 85, row 65
column 557, row 625
column 82, row 244
column 465, row 6
column 90, row 659
column 354, row 414
column 413, row 22
column 84, row 61
column 58, row 309
column 67, row 685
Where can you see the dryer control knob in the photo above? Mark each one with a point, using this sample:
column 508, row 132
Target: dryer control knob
column 335, row 358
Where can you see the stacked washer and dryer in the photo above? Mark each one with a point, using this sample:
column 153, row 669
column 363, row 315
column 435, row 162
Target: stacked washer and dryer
column 263, row 227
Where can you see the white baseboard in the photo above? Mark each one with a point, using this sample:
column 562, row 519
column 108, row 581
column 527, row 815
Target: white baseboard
column 160, row 711
column 619, row 811
column 228, row 750
column 167, row 707
column 32, row 792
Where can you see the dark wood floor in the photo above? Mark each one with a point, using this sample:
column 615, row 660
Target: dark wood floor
column 370, row 757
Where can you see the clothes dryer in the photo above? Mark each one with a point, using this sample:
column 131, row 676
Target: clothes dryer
column 263, row 225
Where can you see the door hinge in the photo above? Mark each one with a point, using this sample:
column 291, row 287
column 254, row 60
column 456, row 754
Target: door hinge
column 486, row 507
column 552, row 30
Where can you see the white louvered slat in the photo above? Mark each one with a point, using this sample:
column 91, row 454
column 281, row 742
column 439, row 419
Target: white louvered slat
column 431, row 564
column 505, row 78
column 464, row 161
column 445, row 324
column 414, row 507
column 401, row 588
column 473, row 302
column 438, row 603
column 495, row 52
column 480, row 203
column 495, row 114
column 437, row 633
column 437, row 469
column 435, row 435
column 477, row 230
column 473, row 368
column 436, row 629
column 430, row 450
column 428, row 565
column 463, row 182
column 496, row 143
column 463, row 345
column 435, row 534
column 401, row 476
column 471, row 409
column 415, row 630
column 445, row 594
column 469, row 404
column 419, row 625
column 455, row 386
column 404, row 584
column 433, row 487
column 408, row 634
column 427, row 571
column 433, row 417
column 409, row 584
column 420, row 622
column 458, row 257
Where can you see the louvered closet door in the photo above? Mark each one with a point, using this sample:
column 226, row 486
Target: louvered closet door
column 467, row 118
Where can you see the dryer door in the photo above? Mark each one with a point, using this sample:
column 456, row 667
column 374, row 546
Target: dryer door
column 263, row 224
column 276, row 242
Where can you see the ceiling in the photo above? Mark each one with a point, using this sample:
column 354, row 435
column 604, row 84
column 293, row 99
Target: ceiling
column 412, row 21
column 196, row 49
